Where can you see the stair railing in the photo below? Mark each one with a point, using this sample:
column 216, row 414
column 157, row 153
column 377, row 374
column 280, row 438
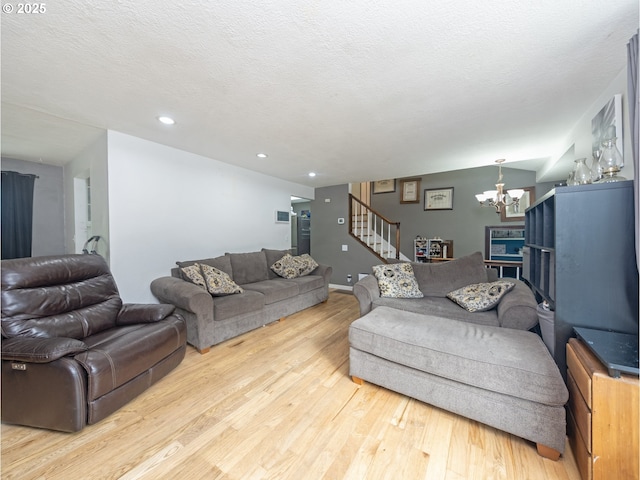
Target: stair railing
column 373, row 230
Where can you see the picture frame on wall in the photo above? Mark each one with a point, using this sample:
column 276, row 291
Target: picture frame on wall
column 607, row 124
column 410, row 190
column 384, row 186
column 514, row 213
column 438, row 198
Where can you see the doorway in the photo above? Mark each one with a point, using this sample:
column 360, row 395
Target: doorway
column 300, row 226
column 82, row 211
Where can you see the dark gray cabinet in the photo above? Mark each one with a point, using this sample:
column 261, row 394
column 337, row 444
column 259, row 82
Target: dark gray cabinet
column 579, row 256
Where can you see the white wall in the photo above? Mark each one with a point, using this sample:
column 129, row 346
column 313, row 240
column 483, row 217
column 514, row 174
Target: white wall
column 167, row 205
column 91, row 162
column 580, row 136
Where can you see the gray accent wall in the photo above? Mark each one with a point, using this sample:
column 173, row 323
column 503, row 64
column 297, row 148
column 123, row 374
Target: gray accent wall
column 327, row 236
column 465, row 224
column 48, row 205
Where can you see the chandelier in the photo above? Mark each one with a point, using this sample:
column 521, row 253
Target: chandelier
column 497, row 198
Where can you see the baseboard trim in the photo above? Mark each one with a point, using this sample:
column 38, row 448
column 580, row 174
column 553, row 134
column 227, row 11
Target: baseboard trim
column 346, row 288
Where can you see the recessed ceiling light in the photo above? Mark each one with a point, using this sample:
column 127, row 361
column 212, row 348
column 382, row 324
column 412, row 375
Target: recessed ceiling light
column 166, row 120
column 312, row 174
column 262, row 155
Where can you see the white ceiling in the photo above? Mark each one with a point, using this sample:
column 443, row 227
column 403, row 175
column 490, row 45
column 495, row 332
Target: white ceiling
column 353, row 90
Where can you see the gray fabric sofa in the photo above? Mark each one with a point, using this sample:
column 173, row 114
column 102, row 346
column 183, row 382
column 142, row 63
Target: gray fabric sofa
column 518, row 308
column 266, row 297
column 502, row 377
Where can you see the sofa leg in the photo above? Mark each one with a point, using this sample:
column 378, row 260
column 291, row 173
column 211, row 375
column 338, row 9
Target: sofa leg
column 282, row 319
column 357, row 380
column 202, row 351
column 547, row 452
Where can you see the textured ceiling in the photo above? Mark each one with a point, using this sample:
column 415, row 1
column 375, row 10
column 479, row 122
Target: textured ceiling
column 355, row 91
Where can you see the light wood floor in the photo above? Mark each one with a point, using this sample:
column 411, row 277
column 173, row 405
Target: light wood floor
column 277, row 403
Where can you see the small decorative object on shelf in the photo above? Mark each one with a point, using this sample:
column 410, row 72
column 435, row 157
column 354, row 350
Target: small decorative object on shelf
column 432, row 248
column 611, row 162
column 596, row 169
column 420, row 246
column 581, row 173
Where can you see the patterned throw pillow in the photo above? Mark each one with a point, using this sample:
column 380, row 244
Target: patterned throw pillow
column 193, row 274
column 480, row 297
column 293, row 267
column 218, row 282
column 397, row 281
column 308, row 264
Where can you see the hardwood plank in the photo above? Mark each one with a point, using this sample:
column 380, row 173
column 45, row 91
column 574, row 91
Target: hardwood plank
column 277, row 403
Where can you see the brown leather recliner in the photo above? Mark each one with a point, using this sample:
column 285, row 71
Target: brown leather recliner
column 72, row 352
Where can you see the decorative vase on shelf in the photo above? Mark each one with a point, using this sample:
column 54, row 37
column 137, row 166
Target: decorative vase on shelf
column 611, row 162
column 571, row 179
column 596, row 170
column 581, row 173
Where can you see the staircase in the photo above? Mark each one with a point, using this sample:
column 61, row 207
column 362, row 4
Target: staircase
column 375, row 232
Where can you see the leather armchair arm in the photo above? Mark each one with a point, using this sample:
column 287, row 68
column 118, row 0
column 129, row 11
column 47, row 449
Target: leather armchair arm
column 133, row 313
column 40, row 350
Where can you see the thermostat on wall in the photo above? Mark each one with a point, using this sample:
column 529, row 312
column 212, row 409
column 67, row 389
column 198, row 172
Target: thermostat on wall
column 282, row 216
column 341, row 221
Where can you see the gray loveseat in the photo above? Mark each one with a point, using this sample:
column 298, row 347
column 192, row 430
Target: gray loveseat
column 518, row 308
column 267, row 297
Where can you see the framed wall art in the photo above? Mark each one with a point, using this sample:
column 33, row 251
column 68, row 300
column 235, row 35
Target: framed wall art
column 384, row 186
column 608, row 124
column 438, row 199
column 410, row 190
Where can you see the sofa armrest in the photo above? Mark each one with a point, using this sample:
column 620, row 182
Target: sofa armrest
column 184, row 295
column 133, row 313
column 325, row 271
column 366, row 291
column 40, row 350
column 518, row 308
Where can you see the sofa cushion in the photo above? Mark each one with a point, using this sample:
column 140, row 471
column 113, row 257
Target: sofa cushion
column 293, row 267
column 249, row 267
column 308, row 283
column 480, row 297
column 118, row 355
column 218, row 282
column 231, row 306
column 439, row 307
column 72, row 296
column 274, row 290
column 397, row 281
column 507, row 361
column 438, row 279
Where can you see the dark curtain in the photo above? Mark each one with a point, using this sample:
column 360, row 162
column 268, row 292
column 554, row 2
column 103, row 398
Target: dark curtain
column 17, row 214
column 634, row 121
